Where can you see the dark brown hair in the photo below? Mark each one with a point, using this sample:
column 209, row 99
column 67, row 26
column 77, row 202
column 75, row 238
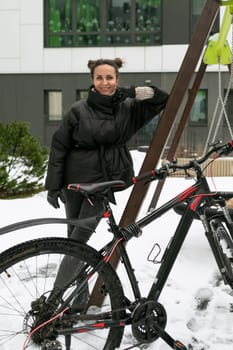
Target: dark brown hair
column 116, row 64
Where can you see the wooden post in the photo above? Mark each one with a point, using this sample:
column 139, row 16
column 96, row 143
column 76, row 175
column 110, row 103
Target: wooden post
column 178, row 91
column 179, row 130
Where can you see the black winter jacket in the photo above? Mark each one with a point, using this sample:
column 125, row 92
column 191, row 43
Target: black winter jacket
column 90, row 144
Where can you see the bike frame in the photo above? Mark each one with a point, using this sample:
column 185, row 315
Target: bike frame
column 199, row 192
column 198, row 198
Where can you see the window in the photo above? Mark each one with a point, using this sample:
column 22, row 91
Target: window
column 81, row 94
column 196, row 10
column 53, row 105
column 144, row 136
column 86, row 23
column 198, row 114
column 229, row 108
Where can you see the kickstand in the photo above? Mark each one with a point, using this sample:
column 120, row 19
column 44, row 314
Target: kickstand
column 68, row 341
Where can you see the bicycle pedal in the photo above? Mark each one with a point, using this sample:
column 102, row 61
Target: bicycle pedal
column 179, row 346
column 51, row 345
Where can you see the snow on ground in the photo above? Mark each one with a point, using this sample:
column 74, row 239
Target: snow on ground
column 199, row 308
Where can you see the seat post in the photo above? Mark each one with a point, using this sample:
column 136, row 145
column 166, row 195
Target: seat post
column 108, row 213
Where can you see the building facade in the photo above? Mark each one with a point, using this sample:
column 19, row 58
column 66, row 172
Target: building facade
column 46, row 44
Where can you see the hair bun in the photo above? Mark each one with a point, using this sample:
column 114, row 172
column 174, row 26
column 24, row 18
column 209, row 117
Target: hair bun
column 119, row 62
column 116, row 63
column 91, row 64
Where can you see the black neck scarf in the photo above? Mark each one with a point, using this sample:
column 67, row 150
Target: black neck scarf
column 103, row 103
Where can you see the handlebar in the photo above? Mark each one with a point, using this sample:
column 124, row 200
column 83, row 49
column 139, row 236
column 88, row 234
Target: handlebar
column 156, row 174
column 164, row 170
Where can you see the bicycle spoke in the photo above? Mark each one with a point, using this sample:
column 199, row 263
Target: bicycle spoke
column 26, row 284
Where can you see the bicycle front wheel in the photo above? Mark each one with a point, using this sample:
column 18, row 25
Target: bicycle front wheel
column 27, row 275
column 223, row 250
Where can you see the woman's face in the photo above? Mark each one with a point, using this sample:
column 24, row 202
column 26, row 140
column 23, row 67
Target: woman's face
column 105, row 80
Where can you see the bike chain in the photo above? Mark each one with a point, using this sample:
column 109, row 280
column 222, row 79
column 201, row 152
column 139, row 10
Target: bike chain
column 139, row 345
column 177, row 345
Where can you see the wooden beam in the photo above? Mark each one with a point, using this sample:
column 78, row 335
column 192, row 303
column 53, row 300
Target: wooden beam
column 180, row 128
column 178, row 91
column 180, row 87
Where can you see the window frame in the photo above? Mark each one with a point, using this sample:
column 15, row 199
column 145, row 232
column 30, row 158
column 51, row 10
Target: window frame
column 228, row 108
column 81, row 94
column 132, row 33
column 199, row 123
column 194, row 17
column 53, row 119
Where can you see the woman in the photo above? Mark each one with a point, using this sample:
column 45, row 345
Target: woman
column 90, row 146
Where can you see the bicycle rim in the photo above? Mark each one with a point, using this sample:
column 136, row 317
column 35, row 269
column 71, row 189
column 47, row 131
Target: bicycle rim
column 27, row 275
column 224, row 246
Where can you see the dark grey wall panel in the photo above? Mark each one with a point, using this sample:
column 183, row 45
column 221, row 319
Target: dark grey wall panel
column 22, row 98
column 176, row 22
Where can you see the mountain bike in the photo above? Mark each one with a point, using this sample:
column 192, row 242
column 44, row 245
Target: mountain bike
column 31, row 317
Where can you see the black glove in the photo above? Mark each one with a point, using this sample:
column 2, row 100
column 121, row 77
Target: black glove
column 53, row 196
column 123, row 92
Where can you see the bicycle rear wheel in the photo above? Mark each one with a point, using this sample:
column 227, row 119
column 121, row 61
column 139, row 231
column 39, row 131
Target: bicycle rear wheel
column 27, row 274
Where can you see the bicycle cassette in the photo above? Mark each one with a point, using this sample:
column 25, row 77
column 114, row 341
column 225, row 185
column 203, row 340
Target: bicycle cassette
column 146, row 317
column 51, row 345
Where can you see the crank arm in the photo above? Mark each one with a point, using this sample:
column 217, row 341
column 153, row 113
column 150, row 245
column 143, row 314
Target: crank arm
column 174, row 344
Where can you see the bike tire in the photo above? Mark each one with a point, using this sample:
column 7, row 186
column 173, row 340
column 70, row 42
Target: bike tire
column 223, row 250
column 27, row 274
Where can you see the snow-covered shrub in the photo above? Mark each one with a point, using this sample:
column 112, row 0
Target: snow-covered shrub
column 22, row 161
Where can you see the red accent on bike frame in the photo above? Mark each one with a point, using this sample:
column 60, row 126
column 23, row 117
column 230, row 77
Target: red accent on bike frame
column 103, row 324
column 106, row 214
column 77, row 187
column 108, row 257
column 186, row 193
column 134, row 180
column 83, row 330
column 195, row 202
column 97, row 325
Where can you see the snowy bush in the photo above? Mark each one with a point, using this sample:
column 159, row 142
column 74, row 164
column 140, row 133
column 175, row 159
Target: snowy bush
column 22, row 161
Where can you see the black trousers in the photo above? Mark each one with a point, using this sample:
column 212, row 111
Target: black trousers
column 77, row 206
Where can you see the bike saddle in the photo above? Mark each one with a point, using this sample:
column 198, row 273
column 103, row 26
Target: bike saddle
column 98, row 187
